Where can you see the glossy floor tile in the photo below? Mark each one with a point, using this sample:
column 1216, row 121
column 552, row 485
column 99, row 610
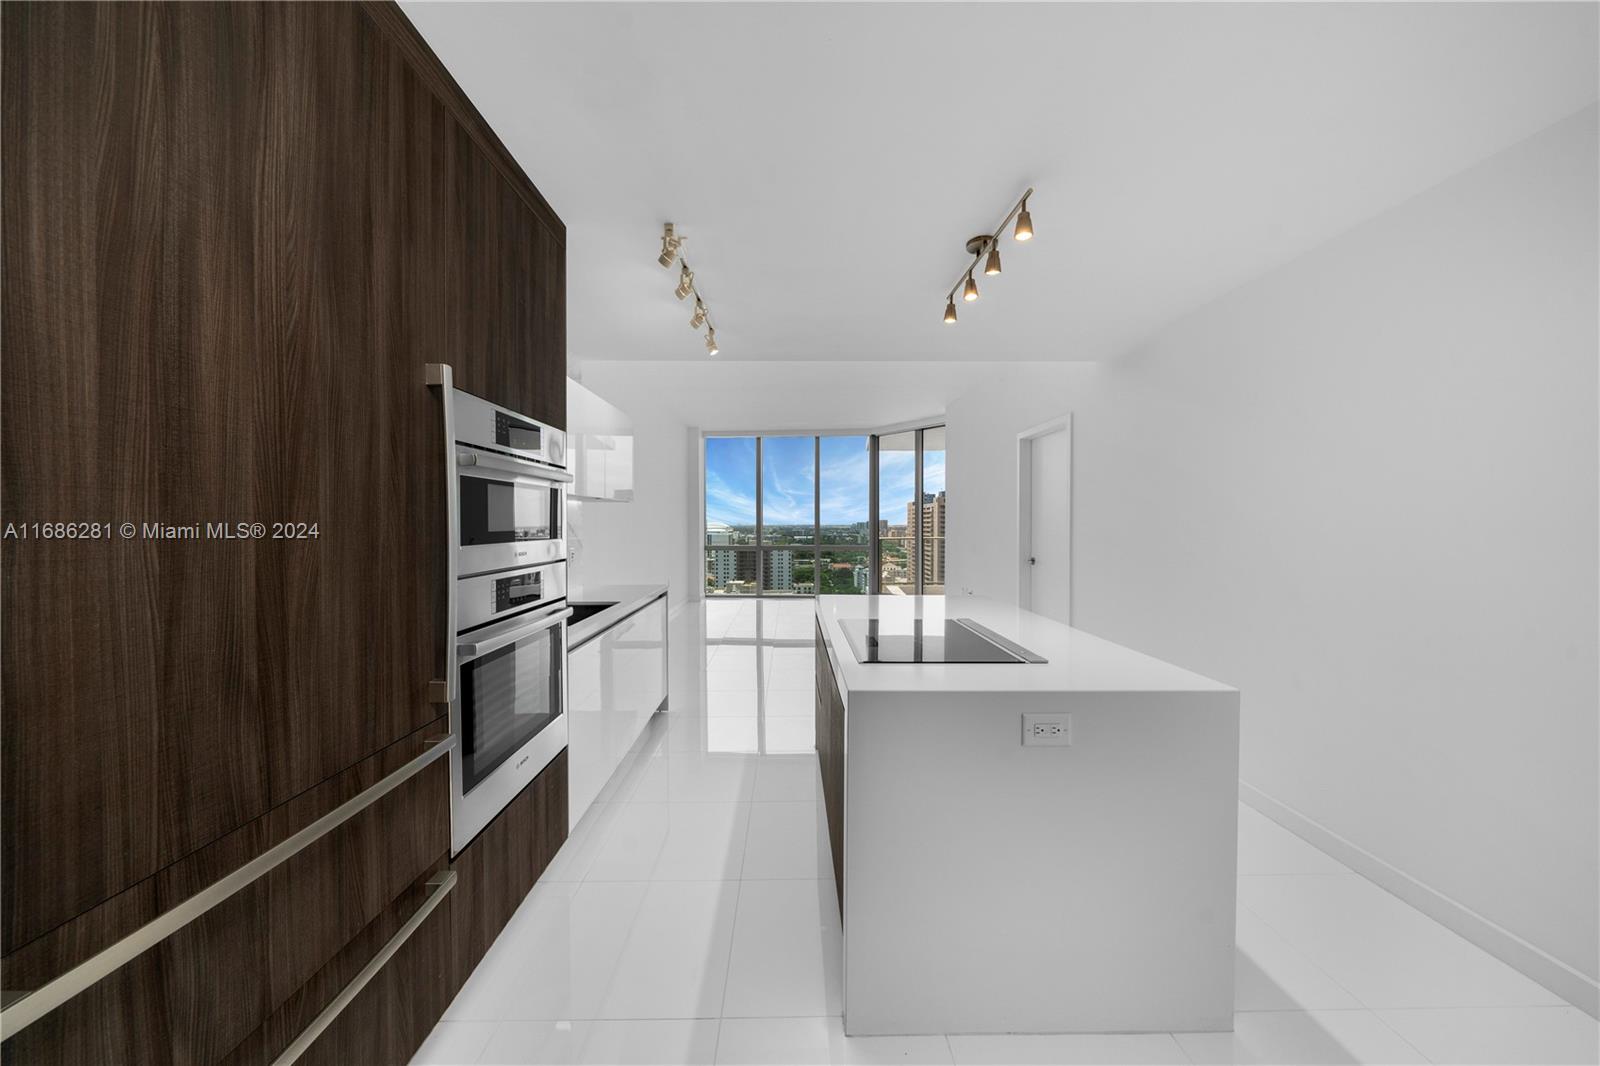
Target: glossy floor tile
column 1499, row 1034
column 1103, row 1048
column 820, row 1041
column 1291, row 1038
column 1384, row 952
column 673, row 842
column 642, row 1042
column 557, row 957
column 1267, row 848
column 787, row 841
column 691, row 918
column 675, row 961
column 786, row 951
column 1271, row 974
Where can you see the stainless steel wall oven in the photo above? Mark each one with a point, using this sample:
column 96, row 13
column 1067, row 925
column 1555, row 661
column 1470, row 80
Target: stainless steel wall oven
column 507, row 664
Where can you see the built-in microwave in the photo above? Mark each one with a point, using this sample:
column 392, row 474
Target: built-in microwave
column 511, row 488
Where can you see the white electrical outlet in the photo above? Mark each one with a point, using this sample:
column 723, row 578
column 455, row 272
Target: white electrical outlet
column 1047, row 730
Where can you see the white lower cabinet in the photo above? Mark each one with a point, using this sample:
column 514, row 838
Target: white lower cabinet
column 615, row 682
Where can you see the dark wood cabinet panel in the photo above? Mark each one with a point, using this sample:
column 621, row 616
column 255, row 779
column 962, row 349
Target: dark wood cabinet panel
column 233, row 236
column 499, row 867
column 389, row 1018
column 830, row 756
column 204, row 989
column 513, row 268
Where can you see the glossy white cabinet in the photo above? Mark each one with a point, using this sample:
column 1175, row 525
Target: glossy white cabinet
column 615, row 682
column 599, row 446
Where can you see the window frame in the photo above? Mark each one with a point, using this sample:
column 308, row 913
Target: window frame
column 817, row 549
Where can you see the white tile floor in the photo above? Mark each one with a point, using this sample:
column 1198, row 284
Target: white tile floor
column 691, row 919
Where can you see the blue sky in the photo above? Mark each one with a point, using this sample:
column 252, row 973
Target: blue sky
column 789, row 481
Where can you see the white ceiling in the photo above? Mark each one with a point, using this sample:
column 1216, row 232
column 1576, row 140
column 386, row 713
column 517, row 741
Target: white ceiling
column 827, row 161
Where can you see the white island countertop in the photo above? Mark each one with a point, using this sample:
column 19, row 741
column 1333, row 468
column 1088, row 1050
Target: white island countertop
column 1076, row 661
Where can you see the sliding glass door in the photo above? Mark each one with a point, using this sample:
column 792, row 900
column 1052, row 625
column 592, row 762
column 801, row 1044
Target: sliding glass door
column 794, row 516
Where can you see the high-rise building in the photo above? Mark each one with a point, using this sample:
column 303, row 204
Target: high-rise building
column 727, row 569
column 780, row 570
column 932, row 515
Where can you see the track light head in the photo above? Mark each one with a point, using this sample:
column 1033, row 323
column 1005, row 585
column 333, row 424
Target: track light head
column 670, row 243
column 685, row 283
column 992, row 265
column 950, row 311
column 711, row 342
column 1024, row 230
column 969, row 291
column 699, row 318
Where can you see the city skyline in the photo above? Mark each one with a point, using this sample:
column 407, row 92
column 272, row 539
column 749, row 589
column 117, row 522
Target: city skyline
column 789, row 482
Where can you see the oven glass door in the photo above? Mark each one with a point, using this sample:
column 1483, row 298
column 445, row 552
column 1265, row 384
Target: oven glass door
column 508, row 696
column 508, row 510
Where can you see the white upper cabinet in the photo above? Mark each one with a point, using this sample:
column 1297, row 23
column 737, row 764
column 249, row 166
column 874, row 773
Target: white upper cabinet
column 600, row 445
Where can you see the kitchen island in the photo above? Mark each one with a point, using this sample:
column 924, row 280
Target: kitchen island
column 1023, row 846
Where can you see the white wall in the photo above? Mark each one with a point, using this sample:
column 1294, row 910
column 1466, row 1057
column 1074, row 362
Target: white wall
column 645, row 541
column 1363, row 488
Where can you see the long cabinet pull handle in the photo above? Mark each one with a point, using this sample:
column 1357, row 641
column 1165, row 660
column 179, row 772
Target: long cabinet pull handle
column 440, row 886
column 32, row 1006
column 440, row 376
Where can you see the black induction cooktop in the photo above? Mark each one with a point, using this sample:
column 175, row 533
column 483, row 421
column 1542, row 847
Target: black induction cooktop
column 953, row 640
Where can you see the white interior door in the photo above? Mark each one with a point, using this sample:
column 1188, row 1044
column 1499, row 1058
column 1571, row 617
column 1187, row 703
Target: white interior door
column 1049, row 524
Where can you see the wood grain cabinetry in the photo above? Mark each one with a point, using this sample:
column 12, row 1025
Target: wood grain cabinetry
column 234, row 234
column 830, row 755
column 203, row 990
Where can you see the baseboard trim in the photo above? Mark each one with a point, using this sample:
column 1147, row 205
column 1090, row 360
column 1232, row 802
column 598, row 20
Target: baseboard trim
column 1571, row 985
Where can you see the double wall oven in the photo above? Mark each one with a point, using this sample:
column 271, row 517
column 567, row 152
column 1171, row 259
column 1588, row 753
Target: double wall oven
column 506, row 670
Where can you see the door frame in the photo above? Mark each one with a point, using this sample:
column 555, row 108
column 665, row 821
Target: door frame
column 1025, row 441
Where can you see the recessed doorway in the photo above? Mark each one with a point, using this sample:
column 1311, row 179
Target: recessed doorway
column 1044, row 519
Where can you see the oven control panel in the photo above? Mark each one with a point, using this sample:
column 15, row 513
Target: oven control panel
column 487, row 597
column 518, row 591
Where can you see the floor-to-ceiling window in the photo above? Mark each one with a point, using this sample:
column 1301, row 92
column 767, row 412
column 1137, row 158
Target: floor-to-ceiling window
column 911, row 509
column 794, row 515
column 932, row 510
column 897, row 530
column 788, row 515
column 732, row 557
column 844, row 516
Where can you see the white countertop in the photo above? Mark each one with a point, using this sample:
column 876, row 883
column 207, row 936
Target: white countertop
column 1078, row 661
column 626, row 598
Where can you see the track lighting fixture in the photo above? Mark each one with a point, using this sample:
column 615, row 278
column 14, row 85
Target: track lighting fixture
column 670, row 243
column 671, row 247
column 985, row 249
